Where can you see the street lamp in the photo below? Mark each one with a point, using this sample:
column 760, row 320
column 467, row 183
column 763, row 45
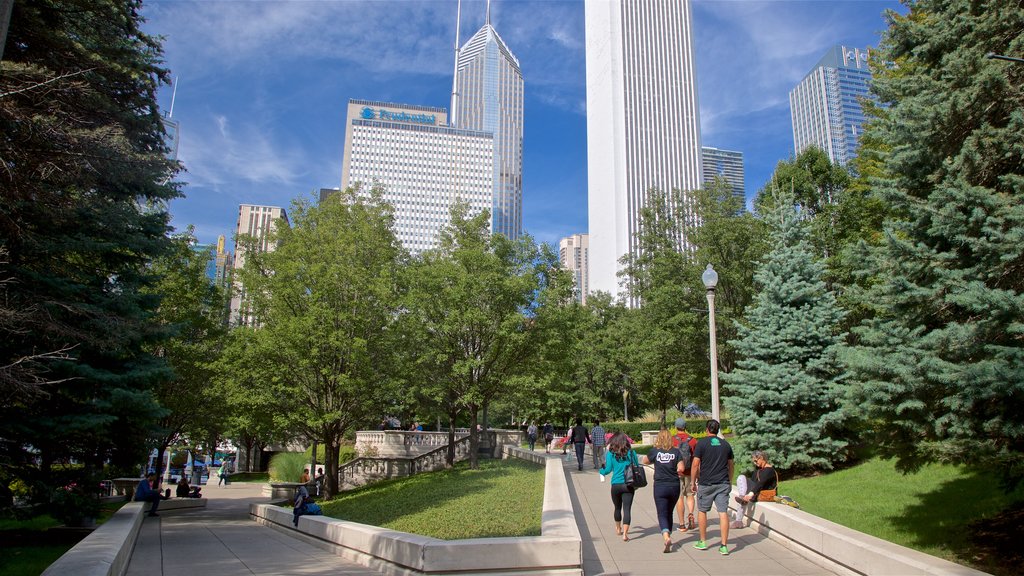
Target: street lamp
column 710, row 278
column 994, row 56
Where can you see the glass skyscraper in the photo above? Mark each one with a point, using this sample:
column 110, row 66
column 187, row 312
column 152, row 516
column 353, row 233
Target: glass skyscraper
column 643, row 124
column 489, row 98
column 727, row 164
column 826, row 105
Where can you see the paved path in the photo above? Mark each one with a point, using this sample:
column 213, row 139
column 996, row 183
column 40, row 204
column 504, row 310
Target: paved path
column 222, row 540
column 604, row 552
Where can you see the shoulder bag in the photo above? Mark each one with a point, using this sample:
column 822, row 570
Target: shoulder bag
column 635, row 474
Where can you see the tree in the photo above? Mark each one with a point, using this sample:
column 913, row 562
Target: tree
column 787, row 391
column 82, row 146
column 327, row 300
column 940, row 364
column 469, row 314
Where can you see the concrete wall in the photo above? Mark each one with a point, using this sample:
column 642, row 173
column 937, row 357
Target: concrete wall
column 558, row 550
column 107, row 550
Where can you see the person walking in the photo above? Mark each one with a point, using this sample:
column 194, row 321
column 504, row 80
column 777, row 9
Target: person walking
column 686, row 444
column 668, row 467
column 531, row 435
column 549, row 435
column 597, row 440
column 223, row 477
column 620, row 456
column 710, row 473
column 764, row 479
column 580, row 438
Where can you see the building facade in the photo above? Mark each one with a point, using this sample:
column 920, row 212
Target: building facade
column 643, row 125
column 574, row 254
column 826, row 105
column 257, row 222
column 727, row 164
column 488, row 97
column 423, row 165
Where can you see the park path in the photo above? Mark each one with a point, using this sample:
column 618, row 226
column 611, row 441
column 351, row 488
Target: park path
column 221, row 539
column 604, row 552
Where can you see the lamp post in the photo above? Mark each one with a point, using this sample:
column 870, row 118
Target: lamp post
column 710, row 279
column 994, row 56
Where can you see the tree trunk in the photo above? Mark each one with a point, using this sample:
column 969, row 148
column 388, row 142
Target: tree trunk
column 474, row 437
column 450, row 458
column 331, row 450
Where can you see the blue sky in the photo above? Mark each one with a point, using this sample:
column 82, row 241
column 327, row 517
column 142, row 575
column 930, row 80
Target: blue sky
column 263, row 86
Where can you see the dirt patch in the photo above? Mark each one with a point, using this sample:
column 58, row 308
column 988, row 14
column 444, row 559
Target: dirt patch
column 995, row 542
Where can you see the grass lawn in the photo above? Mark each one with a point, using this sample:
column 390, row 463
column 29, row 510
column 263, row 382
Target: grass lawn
column 502, row 498
column 26, row 549
column 251, row 477
column 929, row 510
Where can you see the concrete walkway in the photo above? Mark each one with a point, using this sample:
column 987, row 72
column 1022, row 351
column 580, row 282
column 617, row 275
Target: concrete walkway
column 221, row 539
column 604, row 552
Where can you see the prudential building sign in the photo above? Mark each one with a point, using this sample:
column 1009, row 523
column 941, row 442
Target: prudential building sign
column 369, row 113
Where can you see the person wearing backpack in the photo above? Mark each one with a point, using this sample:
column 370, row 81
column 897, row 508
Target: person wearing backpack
column 686, row 445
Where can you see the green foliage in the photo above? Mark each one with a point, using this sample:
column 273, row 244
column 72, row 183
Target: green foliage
column 940, row 360
column 786, row 394
column 501, row 498
column 288, row 466
column 73, row 503
column 346, row 452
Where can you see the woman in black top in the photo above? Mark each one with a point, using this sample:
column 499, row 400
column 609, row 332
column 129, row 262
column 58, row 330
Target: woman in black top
column 668, row 467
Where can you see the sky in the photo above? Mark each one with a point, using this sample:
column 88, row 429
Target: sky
column 262, row 88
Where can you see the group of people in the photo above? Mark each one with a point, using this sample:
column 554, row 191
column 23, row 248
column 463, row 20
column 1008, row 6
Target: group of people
column 685, row 469
column 148, row 491
column 579, row 436
column 318, row 480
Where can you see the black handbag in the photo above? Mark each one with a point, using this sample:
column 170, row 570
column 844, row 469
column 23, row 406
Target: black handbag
column 635, row 474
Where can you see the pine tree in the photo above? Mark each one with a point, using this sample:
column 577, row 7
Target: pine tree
column 786, row 395
column 940, row 365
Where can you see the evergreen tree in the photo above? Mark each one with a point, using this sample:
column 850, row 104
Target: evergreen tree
column 940, row 366
column 82, row 146
column 786, row 394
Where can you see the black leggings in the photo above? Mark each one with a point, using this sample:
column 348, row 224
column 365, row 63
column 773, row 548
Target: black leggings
column 622, row 498
column 665, row 498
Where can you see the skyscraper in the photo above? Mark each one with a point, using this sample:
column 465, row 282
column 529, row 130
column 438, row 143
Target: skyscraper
column 488, row 97
column 573, row 253
column 255, row 221
column 825, row 106
column 643, row 125
column 423, row 165
column 727, row 164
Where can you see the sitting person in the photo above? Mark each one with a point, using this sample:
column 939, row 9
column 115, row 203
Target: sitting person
column 304, row 479
column 761, row 486
column 185, row 491
column 146, row 493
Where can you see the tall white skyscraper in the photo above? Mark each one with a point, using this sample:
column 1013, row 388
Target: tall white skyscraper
column 643, row 125
column 488, row 97
column 573, row 253
column 424, row 165
column 258, row 222
column 826, row 105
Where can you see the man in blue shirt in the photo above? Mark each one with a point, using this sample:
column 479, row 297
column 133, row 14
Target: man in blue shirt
column 146, row 493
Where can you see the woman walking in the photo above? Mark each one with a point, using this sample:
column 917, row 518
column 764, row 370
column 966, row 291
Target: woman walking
column 620, row 457
column 668, row 467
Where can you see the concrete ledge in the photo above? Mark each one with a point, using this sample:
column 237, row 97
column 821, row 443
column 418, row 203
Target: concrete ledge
column 107, row 550
column 557, row 551
column 180, row 504
column 843, row 549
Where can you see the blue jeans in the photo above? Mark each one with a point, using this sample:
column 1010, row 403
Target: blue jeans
column 665, row 498
column 581, row 449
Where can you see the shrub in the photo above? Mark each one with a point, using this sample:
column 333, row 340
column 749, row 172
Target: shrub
column 346, row 452
column 74, row 503
column 288, row 466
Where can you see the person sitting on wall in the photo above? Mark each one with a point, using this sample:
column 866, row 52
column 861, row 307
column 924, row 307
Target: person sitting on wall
column 145, row 492
column 185, row 491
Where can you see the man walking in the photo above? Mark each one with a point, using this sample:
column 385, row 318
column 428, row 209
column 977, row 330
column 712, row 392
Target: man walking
column 711, row 474
column 597, row 444
column 685, row 507
column 580, row 438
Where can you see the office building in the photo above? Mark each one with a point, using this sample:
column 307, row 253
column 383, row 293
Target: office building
column 727, row 164
column 573, row 253
column 209, row 253
column 488, row 97
column 222, row 265
column 643, row 125
column 423, row 165
column 256, row 222
column 826, row 105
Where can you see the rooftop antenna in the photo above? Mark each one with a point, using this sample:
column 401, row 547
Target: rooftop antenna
column 455, row 76
column 174, row 93
column 488, row 18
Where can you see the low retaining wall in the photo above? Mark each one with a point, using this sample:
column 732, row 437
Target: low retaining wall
column 107, row 550
column 558, row 550
column 842, row 549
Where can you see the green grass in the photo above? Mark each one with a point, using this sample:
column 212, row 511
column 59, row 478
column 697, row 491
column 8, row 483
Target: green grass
column 29, row 558
column 502, row 498
column 928, row 510
column 250, row 477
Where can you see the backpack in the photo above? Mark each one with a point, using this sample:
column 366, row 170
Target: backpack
column 685, row 443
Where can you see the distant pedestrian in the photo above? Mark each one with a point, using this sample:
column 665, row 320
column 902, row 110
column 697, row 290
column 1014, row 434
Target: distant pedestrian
column 224, row 476
column 580, row 439
column 531, row 435
column 711, row 472
column 598, row 441
column 319, row 481
column 620, row 456
column 686, row 508
column 668, row 466
column 549, row 435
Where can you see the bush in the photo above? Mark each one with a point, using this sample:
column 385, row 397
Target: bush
column 288, row 466
column 346, row 452
column 74, row 503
